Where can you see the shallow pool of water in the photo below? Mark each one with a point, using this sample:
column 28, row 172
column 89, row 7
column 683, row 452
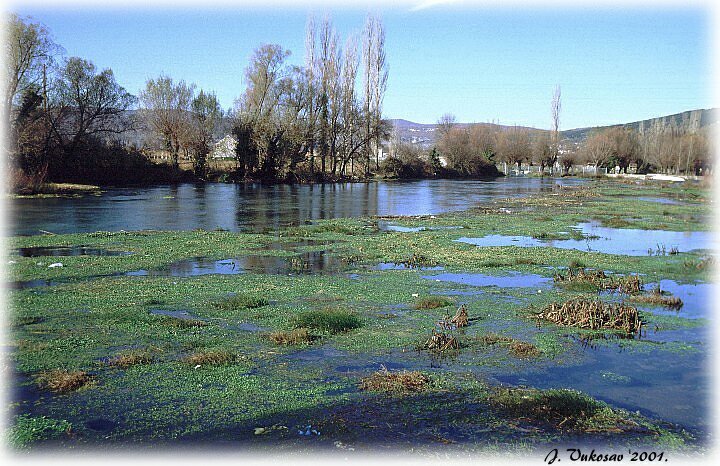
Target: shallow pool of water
column 623, row 241
column 64, row 251
column 515, row 280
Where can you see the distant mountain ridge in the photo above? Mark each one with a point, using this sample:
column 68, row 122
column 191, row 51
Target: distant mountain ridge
column 425, row 134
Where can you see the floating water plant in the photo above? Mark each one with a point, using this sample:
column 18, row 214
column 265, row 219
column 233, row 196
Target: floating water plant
column 593, row 315
column 395, row 382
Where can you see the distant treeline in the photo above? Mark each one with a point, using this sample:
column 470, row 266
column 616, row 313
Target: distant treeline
column 70, row 122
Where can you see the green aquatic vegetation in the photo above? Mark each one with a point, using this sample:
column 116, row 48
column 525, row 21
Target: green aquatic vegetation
column 241, row 301
column 328, row 320
column 27, row 430
column 432, row 302
column 566, row 410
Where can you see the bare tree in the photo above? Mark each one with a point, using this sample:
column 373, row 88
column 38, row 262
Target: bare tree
column 88, row 104
column 556, row 105
column 445, row 124
column 166, row 107
column 514, row 146
column 375, row 77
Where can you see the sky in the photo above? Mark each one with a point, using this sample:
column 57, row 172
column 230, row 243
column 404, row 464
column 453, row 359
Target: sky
column 482, row 62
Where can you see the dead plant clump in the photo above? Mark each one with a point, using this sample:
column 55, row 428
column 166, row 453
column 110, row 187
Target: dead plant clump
column 659, row 298
column 494, row 338
column 440, row 341
column 62, row 381
column 131, row 358
column 517, row 348
column 459, row 320
column 593, row 315
column 397, row 382
column 295, row 336
column 209, row 358
column 521, row 349
column 630, row 284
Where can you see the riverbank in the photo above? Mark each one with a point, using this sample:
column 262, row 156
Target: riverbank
column 266, row 341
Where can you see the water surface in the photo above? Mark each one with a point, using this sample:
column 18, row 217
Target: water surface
column 255, row 207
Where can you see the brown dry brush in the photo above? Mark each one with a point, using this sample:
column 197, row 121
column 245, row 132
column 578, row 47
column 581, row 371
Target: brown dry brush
column 131, row 358
column 593, row 315
column 459, row 320
column 630, row 284
column 293, row 337
column 517, row 348
column 659, row 297
column 386, row 381
column 440, row 341
column 63, row 381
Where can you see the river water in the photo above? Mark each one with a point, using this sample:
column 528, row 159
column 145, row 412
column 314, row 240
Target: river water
column 253, row 207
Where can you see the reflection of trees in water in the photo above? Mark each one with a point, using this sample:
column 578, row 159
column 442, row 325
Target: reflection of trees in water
column 271, row 208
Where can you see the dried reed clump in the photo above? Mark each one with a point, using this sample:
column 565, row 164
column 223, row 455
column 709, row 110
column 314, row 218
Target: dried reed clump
column 459, row 320
column 517, row 348
column 295, row 336
column 131, row 358
column 211, row 358
column 658, row 297
column 398, row 382
column 62, row 381
column 440, row 342
column 593, row 315
column 521, row 349
column 494, row 338
column 630, row 284
column 416, row 261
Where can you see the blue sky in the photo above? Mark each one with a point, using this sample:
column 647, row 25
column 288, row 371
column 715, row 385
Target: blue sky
column 481, row 63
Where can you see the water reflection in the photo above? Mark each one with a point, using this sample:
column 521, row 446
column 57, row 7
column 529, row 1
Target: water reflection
column 255, row 207
column 625, row 241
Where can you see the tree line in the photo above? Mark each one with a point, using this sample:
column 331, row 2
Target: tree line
column 70, row 121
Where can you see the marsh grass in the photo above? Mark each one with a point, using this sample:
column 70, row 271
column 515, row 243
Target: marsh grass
column 561, row 409
column 328, row 320
column 580, row 279
column 517, row 348
column 131, row 358
column 209, row 358
column 659, row 298
column 593, row 315
column 240, row 301
column 395, row 382
column 177, row 322
column 63, row 381
column 432, row 302
column 297, row 336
